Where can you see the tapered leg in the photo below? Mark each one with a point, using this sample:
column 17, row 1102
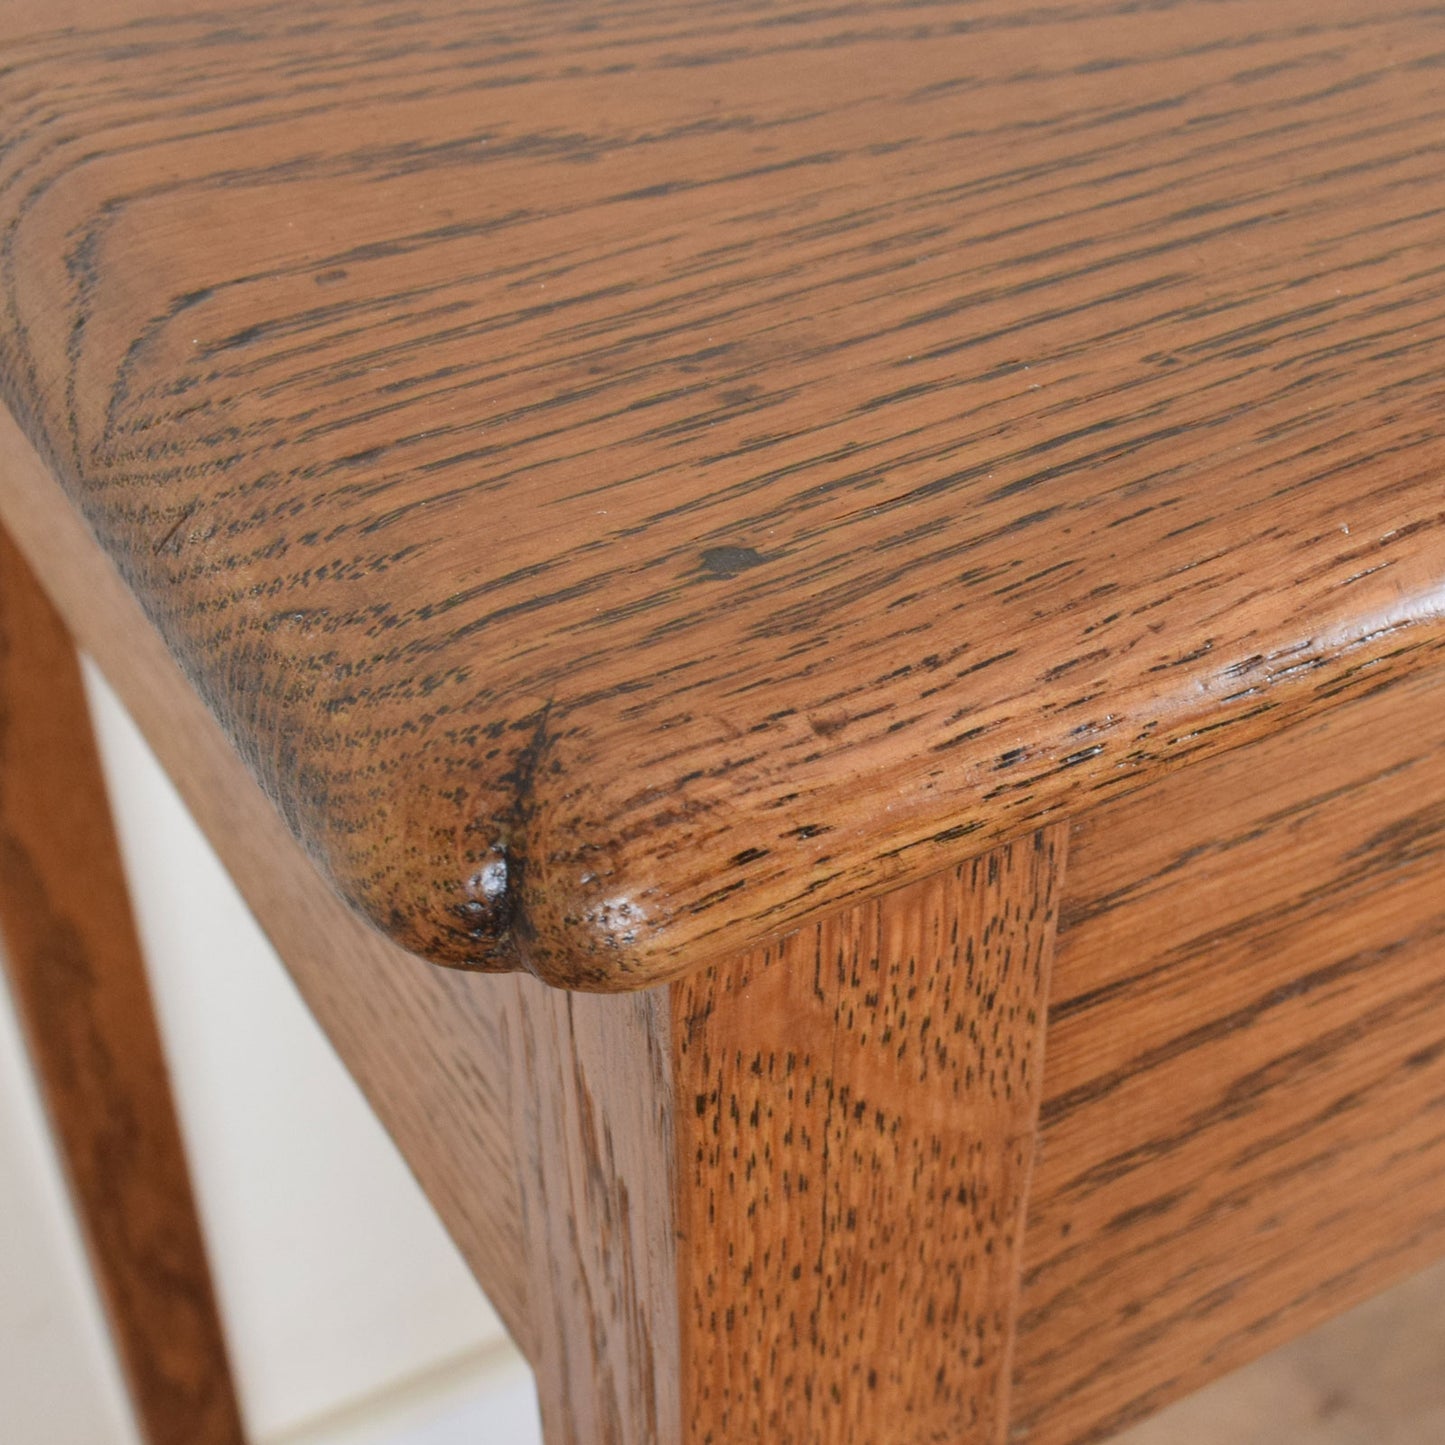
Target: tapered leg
column 781, row 1201
column 79, row 985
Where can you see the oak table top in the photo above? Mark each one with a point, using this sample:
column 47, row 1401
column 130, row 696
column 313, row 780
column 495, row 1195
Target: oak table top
column 632, row 478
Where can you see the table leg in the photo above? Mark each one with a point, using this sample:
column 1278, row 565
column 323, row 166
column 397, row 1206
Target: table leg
column 79, row 985
column 782, row 1200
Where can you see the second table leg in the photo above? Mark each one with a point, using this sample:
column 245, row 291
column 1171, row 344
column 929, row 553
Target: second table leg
column 80, row 987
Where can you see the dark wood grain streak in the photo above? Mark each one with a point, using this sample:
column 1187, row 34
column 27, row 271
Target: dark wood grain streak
column 782, row 1199
column 634, row 478
column 79, row 984
column 1243, row 1126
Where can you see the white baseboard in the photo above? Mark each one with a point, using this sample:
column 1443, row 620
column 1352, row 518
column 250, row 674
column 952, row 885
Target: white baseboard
column 480, row 1399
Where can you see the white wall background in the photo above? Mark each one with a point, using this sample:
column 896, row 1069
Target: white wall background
column 351, row 1318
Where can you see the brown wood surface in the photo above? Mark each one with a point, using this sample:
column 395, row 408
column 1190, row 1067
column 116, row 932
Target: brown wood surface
column 595, row 1109
column 1375, row 1375
column 855, row 1133
column 74, row 963
column 781, row 1201
column 632, row 478
column 426, row 1045
column 431, row 1047
column 1243, row 1125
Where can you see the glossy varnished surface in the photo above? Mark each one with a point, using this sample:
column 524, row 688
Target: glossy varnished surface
column 632, row 477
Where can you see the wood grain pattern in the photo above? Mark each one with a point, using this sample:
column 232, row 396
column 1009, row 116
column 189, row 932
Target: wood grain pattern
column 633, row 478
column 1242, row 1120
column 79, row 983
column 781, row 1200
column 432, row 1050
column 853, row 1171
column 594, row 1112
column 427, row 1046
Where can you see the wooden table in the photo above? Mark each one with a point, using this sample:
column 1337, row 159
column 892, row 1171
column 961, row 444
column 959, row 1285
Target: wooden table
column 871, row 578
